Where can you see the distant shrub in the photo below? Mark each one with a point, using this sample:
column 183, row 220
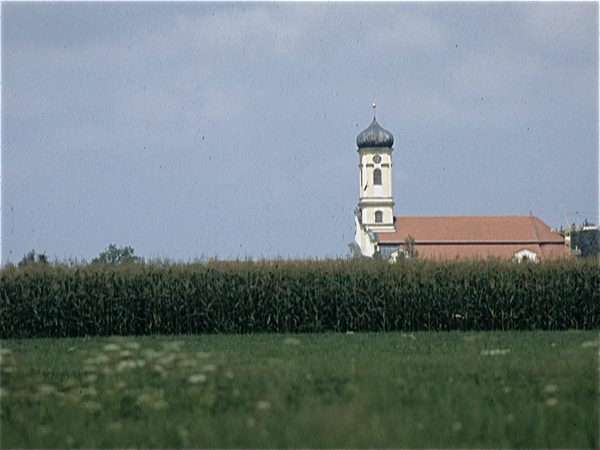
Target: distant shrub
column 30, row 259
column 117, row 255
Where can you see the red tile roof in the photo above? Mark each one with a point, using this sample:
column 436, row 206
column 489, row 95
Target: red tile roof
column 476, row 236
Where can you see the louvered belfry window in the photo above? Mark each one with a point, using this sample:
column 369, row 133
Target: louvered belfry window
column 377, row 177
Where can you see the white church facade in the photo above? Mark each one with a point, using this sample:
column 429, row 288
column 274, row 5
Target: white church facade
column 379, row 231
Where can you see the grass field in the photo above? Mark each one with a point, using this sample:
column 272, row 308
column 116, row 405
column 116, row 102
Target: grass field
column 421, row 390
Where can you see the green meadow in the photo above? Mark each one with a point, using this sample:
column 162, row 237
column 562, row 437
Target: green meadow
column 331, row 390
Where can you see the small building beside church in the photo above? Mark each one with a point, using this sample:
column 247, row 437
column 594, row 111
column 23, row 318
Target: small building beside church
column 378, row 230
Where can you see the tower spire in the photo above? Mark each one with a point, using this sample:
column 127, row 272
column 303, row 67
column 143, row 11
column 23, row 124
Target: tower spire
column 374, row 116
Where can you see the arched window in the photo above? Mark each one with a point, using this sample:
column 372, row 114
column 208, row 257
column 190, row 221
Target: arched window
column 378, row 217
column 377, row 177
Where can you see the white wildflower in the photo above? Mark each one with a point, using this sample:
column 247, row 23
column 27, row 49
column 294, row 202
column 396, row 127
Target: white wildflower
column 202, row 355
column 88, row 392
column 150, row 353
column 132, row 345
column 174, row 346
column 90, row 378
column 550, row 389
column 495, row 352
column 100, row 359
column 111, row 348
column 263, row 405
column 590, row 344
column 291, row 341
column 92, row 406
column 160, row 404
column 144, row 398
column 167, row 359
column 198, row 378
column 184, row 435
column 552, row 401
column 45, row 429
column 46, row 389
column 209, row 368
column 125, row 365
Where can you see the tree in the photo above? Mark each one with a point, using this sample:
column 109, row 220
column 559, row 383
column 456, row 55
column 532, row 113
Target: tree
column 117, row 255
column 586, row 240
column 407, row 251
column 29, row 259
column 409, row 248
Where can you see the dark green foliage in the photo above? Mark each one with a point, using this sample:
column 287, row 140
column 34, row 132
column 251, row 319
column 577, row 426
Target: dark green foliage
column 409, row 248
column 117, row 255
column 301, row 296
column 588, row 241
column 29, row 259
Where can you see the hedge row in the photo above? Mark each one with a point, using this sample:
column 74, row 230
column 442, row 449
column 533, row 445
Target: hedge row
column 308, row 296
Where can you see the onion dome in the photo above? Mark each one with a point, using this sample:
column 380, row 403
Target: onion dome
column 375, row 136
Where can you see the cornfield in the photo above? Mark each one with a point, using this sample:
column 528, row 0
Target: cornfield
column 297, row 297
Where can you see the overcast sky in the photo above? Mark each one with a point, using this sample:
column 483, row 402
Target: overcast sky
column 229, row 129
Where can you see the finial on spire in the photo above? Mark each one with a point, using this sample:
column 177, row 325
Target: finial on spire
column 374, row 116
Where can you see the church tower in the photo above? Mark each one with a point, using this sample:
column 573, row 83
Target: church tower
column 375, row 212
column 376, row 201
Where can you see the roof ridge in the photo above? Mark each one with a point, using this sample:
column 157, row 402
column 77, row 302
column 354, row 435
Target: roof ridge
column 467, row 216
column 535, row 228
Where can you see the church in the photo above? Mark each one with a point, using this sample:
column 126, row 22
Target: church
column 378, row 231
